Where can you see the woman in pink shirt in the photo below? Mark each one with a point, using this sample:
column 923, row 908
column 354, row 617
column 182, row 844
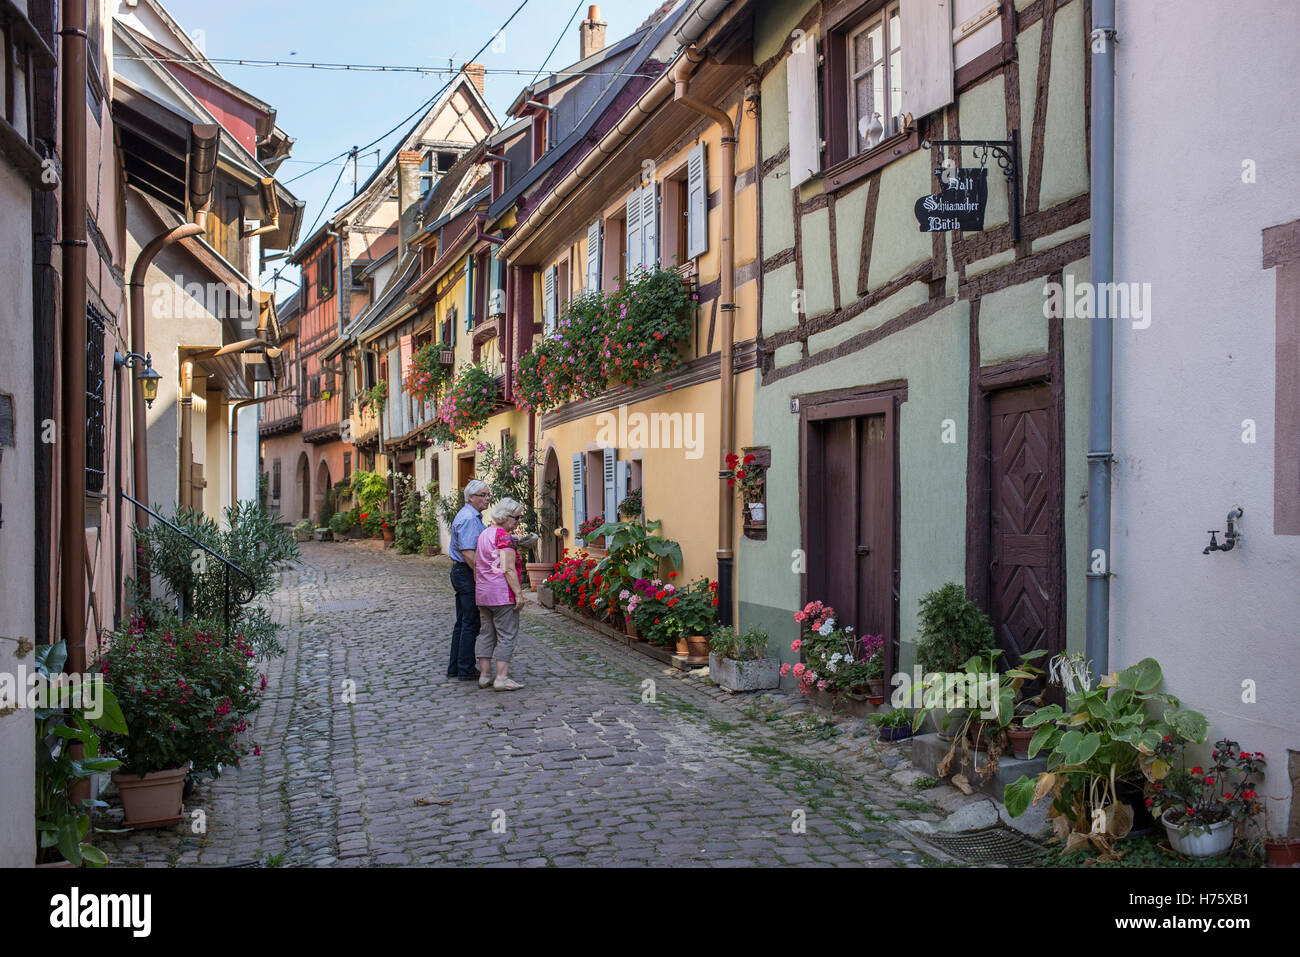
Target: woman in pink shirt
column 498, row 570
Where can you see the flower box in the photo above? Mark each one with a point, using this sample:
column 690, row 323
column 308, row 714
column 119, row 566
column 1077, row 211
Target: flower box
column 754, row 675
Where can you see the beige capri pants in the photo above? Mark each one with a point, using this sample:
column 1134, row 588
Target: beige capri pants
column 499, row 627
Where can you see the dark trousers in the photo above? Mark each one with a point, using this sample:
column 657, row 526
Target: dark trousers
column 465, row 632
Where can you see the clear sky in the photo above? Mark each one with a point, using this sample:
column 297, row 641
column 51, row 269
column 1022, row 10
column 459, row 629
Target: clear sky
column 328, row 112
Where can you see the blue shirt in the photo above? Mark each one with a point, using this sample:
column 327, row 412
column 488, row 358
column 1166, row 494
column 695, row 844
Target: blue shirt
column 465, row 531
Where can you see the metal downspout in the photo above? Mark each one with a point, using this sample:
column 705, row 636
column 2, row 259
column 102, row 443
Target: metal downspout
column 72, row 524
column 1100, row 382
column 726, row 306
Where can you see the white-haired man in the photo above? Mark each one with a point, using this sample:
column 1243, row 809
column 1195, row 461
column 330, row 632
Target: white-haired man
column 465, row 530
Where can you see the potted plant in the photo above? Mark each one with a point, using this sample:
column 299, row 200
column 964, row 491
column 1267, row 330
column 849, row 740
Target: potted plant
column 340, row 525
column 385, row 527
column 589, row 532
column 738, row 661
column 429, row 519
column 748, row 475
column 406, row 530
column 1201, row 807
column 894, row 724
column 1103, row 739
column 692, row 616
column 302, row 531
column 185, row 691
column 953, row 629
column 631, row 508
column 71, row 712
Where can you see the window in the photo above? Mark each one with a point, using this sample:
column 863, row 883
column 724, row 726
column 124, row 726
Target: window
column 275, row 480
column 881, row 62
column 325, row 269
column 875, row 78
column 428, row 174
column 347, row 465
column 95, row 323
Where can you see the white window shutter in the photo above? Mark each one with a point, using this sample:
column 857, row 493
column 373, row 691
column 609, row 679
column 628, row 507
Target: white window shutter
column 593, row 256
column 634, row 259
column 927, row 55
column 650, row 225
column 579, row 498
column 802, row 112
column 977, row 28
column 697, row 203
column 611, row 489
column 469, row 292
column 548, row 300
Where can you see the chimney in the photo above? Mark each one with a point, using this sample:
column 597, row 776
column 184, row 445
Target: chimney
column 591, row 35
column 408, row 194
column 475, row 72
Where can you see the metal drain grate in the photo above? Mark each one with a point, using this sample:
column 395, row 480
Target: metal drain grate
column 993, row 845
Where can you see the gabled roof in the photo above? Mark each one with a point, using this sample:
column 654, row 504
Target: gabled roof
column 575, row 71
column 386, row 169
column 649, row 39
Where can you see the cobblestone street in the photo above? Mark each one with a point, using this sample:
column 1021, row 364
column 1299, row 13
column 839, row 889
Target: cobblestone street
column 574, row 770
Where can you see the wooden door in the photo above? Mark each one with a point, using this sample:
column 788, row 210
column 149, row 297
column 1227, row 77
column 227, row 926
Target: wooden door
column 1024, row 598
column 850, row 515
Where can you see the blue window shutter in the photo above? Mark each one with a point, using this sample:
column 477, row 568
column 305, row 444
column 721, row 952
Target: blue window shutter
column 611, row 490
column 579, row 498
column 697, row 204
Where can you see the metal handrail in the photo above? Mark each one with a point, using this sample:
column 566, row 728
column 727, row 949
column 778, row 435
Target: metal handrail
column 229, row 565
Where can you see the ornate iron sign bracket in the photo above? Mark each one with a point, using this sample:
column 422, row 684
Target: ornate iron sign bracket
column 1007, row 155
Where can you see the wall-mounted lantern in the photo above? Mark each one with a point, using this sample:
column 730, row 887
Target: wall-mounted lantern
column 148, row 376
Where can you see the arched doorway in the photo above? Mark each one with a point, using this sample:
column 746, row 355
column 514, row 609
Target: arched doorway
column 304, row 485
column 322, row 488
column 552, row 511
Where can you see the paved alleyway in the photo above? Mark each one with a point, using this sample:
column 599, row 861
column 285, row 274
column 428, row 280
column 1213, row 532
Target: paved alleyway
column 576, row 769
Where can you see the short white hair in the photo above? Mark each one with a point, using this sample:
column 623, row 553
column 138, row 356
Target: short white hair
column 475, row 486
column 506, row 508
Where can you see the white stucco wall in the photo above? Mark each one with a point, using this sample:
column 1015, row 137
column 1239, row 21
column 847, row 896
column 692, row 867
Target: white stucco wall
column 17, row 577
column 1190, row 226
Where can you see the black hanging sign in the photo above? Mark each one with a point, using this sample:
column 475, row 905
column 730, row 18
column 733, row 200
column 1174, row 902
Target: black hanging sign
column 959, row 204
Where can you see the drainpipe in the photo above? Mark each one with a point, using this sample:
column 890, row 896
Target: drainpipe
column 202, row 159
column 1102, row 213
column 72, row 526
column 726, row 306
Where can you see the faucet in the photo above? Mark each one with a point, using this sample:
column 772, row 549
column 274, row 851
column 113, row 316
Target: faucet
column 1232, row 539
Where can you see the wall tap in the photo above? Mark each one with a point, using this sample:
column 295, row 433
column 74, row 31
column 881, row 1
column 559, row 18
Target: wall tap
column 1232, row 539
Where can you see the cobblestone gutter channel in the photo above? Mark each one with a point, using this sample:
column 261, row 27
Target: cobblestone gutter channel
column 607, row 757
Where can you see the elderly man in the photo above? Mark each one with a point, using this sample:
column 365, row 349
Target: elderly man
column 465, row 530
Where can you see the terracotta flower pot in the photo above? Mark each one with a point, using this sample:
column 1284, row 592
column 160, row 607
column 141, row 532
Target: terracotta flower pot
column 390, row 535
column 153, row 800
column 682, row 648
column 629, row 628
column 538, row 573
column 1020, row 738
column 697, row 646
column 1283, row 851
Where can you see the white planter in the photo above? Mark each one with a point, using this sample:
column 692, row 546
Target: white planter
column 758, row 511
column 732, row 675
column 1214, row 841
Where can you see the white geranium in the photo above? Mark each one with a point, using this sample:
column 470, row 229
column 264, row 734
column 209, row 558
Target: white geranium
column 827, row 627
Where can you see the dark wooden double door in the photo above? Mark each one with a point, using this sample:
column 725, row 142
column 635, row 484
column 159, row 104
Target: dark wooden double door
column 1025, row 590
column 850, row 514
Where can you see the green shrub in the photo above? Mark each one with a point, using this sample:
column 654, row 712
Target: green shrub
column 429, row 517
column 953, row 630
column 408, row 526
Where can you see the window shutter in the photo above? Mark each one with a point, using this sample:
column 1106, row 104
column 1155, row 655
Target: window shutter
column 550, row 308
column 927, row 55
column 650, row 225
column 469, row 293
column 621, row 478
column 697, row 204
column 611, row 490
column 802, row 112
column 634, row 231
column 593, row 256
column 579, row 498
column 977, row 28
column 496, row 288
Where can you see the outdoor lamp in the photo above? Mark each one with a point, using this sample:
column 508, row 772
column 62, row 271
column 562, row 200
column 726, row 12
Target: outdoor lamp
column 148, row 378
